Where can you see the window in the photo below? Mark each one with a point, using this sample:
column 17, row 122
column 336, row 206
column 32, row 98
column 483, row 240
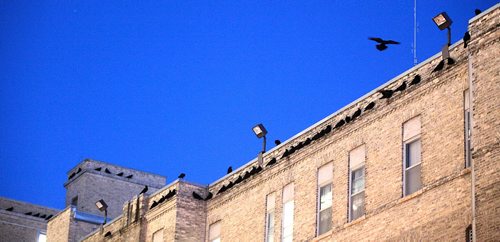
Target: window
column 357, row 183
column 270, row 202
column 324, row 216
column 42, row 236
column 467, row 129
column 412, row 150
column 158, row 236
column 468, row 233
column 74, row 201
column 288, row 208
column 214, row 232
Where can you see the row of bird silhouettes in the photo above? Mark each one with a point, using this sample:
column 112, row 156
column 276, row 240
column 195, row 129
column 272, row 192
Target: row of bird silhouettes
column 74, row 173
column 387, row 93
column 163, row 198
column 253, row 171
column 38, row 215
column 107, row 171
column 198, row 196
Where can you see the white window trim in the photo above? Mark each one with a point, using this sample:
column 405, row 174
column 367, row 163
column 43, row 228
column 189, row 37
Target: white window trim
column 266, row 238
column 405, row 169
column 318, row 203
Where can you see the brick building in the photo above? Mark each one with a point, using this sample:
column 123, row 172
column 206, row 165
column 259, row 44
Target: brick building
column 413, row 160
column 88, row 182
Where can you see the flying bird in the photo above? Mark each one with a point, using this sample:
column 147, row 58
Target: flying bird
column 10, row 209
column 120, row 174
column 401, row 88
column 144, row 190
column 370, row 106
column 439, row 66
column 415, row 81
column 181, row 176
column 229, row 169
column 382, row 44
column 129, row 176
column 477, row 11
column 466, row 38
column 277, row 142
column 107, row 171
column 386, row 93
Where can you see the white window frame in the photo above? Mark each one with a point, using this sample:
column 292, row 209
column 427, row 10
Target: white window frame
column 318, row 205
column 270, row 212
column 351, row 171
column 157, row 233
column 405, row 154
column 211, row 237
column 40, row 232
column 285, row 203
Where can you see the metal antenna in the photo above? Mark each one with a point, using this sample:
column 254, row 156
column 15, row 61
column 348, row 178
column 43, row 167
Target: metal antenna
column 415, row 61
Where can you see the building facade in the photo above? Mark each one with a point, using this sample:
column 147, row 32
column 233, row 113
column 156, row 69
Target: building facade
column 414, row 160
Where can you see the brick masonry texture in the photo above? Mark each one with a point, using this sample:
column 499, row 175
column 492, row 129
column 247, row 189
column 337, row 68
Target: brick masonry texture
column 440, row 211
column 19, row 224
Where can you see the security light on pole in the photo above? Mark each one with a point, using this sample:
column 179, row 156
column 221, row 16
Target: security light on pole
column 443, row 21
column 261, row 132
column 102, row 206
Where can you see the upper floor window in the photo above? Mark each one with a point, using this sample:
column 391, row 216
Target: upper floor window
column 324, row 216
column 412, row 150
column 357, row 183
column 42, row 237
column 467, row 128
column 214, row 232
column 158, row 236
column 74, row 201
column 288, row 209
column 270, row 202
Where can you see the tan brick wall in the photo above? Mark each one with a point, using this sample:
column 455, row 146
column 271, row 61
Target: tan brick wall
column 485, row 52
column 439, row 211
column 58, row 228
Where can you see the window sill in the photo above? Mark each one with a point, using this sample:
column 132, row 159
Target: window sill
column 411, row 196
column 323, row 236
column 355, row 221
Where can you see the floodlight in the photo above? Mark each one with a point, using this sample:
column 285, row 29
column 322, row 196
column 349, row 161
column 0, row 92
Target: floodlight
column 102, row 206
column 261, row 132
column 442, row 20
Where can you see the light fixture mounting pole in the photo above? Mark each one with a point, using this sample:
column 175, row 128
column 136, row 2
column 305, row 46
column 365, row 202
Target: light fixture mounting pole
column 264, row 144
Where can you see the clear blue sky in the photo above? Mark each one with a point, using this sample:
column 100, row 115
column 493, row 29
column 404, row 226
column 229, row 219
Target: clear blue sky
column 176, row 86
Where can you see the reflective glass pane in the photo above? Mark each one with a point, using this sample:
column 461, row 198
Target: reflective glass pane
column 325, row 194
column 413, row 154
column 358, row 180
column 270, row 227
column 325, row 220
column 413, row 182
column 357, row 205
